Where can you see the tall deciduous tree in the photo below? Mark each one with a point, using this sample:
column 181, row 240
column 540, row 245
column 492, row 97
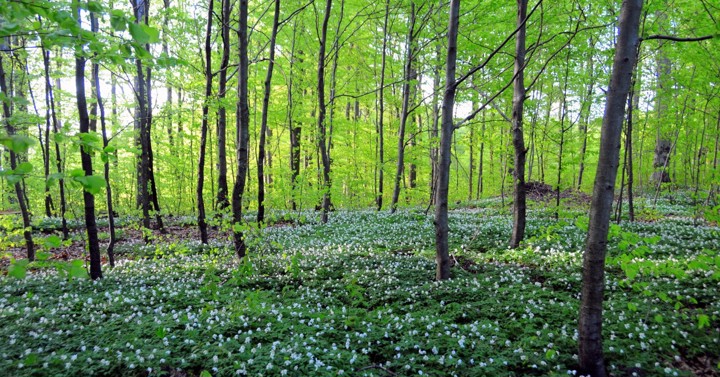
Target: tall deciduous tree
column 93, row 243
column 519, row 202
column 590, row 324
column 202, row 225
column 264, row 120
column 242, row 131
column 409, row 75
column 19, row 189
column 222, row 193
column 442, row 255
column 322, row 132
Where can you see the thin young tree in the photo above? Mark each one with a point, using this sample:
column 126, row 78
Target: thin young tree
column 19, row 189
column 93, row 243
column 590, row 351
column 264, row 119
column 50, row 100
column 519, row 198
column 381, row 113
column 202, row 224
column 222, row 192
column 99, row 102
column 242, row 132
column 442, row 255
column 405, row 112
column 322, row 110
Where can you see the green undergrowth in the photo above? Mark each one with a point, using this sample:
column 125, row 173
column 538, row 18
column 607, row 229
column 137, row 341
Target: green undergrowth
column 357, row 297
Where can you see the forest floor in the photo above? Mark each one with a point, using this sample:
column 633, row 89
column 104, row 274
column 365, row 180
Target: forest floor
column 356, row 297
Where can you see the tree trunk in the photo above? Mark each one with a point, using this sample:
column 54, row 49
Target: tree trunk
column 381, row 112
column 590, row 352
column 405, row 112
column 202, row 225
column 19, row 190
column 519, row 205
column 242, row 132
column 442, row 255
column 264, row 119
column 321, row 115
column 106, row 155
column 222, row 192
column 86, row 159
column 295, row 129
column 50, row 98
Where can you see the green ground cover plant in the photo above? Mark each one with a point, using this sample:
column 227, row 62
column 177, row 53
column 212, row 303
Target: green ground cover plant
column 357, row 297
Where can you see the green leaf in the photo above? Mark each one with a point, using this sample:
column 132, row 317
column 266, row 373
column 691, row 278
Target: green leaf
column 152, row 33
column 52, row 241
column 550, row 354
column 42, row 256
column 18, row 269
column 91, row 183
column 703, row 320
column 117, row 20
column 138, row 33
column 17, row 143
column 94, row 6
column 53, row 179
column 24, row 168
column 76, row 270
column 658, row 318
column 205, row 374
column 632, row 306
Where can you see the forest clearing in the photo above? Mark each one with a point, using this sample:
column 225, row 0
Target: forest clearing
column 346, row 187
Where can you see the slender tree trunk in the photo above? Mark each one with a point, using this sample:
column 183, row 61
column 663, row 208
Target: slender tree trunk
column 563, row 130
column 295, row 130
column 321, row 115
column 519, row 205
column 264, row 120
column 222, row 192
column 381, row 112
column 86, row 159
column 590, row 353
column 479, row 191
column 442, row 255
column 19, row 190
column 585, row 115
column 434, row 132
column 106, row 154
column 202, row 225
column 143, row 194
column 50, row 96
column 242, row 132
column 405, row 112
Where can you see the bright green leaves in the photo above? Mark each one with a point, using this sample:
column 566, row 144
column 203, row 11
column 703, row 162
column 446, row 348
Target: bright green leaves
column 18, row 269
column 142, row 33
column 16, row 143
column 90, row 183
column 118, row 20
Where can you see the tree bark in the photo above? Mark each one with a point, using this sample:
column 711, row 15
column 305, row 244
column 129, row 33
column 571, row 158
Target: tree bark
column 106, row 165
column 50, row 98
column 321, row 115
column 381, row 112
column 442, row 255
column 86, row 159
column 242, row 132
column 202, row 225
column 405, row 112
column 264, row 119
column 222, row 193
column 295, row 129
column 19, row 190
column 519, row 204
column 590, row 351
